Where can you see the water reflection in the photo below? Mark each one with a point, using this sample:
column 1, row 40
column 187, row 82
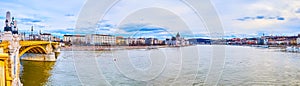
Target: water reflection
column 35, row 73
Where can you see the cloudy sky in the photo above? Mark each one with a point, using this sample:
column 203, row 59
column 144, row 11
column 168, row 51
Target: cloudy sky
column 148, row 18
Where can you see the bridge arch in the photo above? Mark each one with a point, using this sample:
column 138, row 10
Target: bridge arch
column 36, row 48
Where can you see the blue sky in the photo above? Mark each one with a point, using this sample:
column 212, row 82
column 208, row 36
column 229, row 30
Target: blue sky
column 146, row 18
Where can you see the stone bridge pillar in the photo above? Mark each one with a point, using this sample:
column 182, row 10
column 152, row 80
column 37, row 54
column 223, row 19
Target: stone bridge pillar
column 50, row 55
column 14, row 47
column 56, row 50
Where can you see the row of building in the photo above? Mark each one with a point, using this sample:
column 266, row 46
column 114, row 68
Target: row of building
column 100, row 39
column 266, row 40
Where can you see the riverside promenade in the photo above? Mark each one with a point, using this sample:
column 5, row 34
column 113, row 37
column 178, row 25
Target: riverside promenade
column 104, row 48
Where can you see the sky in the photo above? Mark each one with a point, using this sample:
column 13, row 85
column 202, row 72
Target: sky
column 154, row 18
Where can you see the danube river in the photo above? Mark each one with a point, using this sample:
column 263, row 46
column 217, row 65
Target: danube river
column 237, row 66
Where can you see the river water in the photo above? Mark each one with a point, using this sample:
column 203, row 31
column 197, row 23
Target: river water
column 191, row 65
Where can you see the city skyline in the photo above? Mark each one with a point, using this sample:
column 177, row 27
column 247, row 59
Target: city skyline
column 239, row 18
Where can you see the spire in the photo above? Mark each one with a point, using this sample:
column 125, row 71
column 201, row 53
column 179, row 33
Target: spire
column 12, row 21
column 15, row 22
column 6, row 23
column 31, row 28
column 6, row 28
column 177, row 35
column 8, row 16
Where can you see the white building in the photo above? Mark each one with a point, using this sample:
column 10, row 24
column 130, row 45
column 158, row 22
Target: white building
column 180, row 41
column 100, row 39
column 75, row 39
column 46, row 36
column 91, row 39
column 67, row 38
column 121, row 41
column 107, row 40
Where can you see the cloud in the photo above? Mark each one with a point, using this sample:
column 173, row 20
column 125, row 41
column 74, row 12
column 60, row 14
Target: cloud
column 146, row 30
column 271, row 17
column 41, row 26
column 29, row 20
column 142, row 28
column 70, row 29
column 280, row 18
column 239, row 17
column 171, row 14
column 42, row 14
column 69, row 15
column 261, row 18
column 60, row 31
column 104, row 27
column 298, row 10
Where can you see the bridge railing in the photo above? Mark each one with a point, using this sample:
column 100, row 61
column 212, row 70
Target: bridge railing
column 5, row 77
column 4, row 47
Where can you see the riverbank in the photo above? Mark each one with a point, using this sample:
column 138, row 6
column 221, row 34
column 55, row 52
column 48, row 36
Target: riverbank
column 107, row 48
column 281, row 48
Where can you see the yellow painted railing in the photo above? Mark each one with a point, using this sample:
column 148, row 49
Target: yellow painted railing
column 30, row 43
column 5, row 77
column 4, row 47
column 2, row 73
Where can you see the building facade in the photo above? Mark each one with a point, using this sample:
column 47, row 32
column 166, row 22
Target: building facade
column 99, row 39
column 121, row 41
column 46, row 36
column 90, row 39
column 177, row 41
column 75, row 39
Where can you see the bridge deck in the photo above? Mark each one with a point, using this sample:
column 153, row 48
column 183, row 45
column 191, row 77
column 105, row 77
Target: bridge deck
column 30, row 43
